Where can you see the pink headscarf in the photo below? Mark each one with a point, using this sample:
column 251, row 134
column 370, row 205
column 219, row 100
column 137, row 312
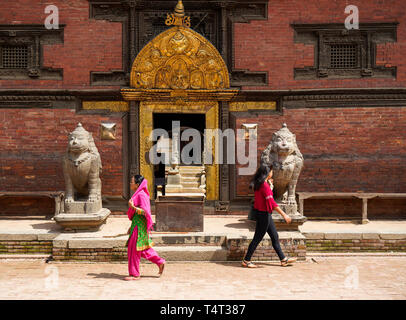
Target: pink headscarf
column 141, row 200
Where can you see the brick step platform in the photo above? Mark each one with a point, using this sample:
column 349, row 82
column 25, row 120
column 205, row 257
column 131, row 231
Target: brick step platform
column 225, row 238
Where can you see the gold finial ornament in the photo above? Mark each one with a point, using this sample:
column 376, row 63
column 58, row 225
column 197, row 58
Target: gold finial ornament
column 180, row 9
column 178, row 18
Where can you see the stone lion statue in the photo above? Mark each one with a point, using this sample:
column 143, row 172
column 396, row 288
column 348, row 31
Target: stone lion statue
column 82, row 167
column 283, row 153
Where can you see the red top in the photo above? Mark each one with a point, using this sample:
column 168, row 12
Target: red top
column 264, row 199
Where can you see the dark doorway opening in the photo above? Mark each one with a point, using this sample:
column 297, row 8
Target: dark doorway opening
column 186, row 121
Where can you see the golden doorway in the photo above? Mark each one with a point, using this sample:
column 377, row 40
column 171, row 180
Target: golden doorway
column 179, row 71
column 147, row 109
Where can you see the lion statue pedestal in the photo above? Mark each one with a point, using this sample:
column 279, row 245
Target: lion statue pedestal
column 287, row 162
column 82, row 206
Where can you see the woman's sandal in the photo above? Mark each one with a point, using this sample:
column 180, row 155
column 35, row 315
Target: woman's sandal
column 288, row 262
column 161, row 269
column 130, row 278
column 248, row 264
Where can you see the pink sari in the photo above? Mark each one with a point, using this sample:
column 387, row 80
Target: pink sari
column 141, row 200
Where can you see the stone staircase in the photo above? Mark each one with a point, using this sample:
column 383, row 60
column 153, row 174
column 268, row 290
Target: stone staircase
column 190, row 179
column 191, row 247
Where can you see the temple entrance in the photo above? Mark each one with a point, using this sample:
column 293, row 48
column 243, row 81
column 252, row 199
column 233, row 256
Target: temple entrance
column 191, row 161
column 187, row 121
column 179, row 74
column 197, row 115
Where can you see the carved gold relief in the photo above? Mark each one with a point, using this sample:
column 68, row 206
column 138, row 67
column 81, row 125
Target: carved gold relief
column 252, row 105
column 178, row 18
column 114, row 106
column 210, row 109
column 179, row 58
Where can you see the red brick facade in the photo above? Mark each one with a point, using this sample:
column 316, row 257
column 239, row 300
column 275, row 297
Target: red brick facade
column 346, row 149
column 269, row 45
column 89, row 45
column 34, row 141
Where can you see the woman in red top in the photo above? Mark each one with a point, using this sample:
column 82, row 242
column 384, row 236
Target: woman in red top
column 264, row 204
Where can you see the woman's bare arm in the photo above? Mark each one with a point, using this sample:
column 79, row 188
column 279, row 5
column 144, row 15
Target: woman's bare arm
column 284, row 215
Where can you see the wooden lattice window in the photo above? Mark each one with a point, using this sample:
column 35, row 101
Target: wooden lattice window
column 343, row 56
column 14, row 57
column 21, row 51
column 340, row 53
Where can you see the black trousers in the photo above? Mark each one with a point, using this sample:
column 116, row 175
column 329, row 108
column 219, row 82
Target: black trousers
column 264, row 225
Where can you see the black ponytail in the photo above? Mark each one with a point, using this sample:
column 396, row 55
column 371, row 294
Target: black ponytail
column 260, row 176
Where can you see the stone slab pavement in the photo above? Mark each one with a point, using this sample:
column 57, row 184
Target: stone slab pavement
column 321, row 278
column 215, row 225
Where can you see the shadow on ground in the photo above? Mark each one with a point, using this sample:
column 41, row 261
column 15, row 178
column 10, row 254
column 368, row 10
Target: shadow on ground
column 105, row 275
column 49, row 226
column 243, row 224
column 259, row 264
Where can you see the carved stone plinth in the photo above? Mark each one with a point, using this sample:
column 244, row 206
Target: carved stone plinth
column 281, row 225
column 173, row 184
column 82, row 207
column 179, row 213
column 72, row 222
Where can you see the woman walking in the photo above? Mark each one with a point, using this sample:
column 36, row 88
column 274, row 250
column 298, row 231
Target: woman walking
column 139, row 243
column 264, row 204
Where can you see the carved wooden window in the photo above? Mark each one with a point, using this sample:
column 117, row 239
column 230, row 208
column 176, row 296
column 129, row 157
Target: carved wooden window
column 14, row 57
column 21, row 52
column 341, row 53
column 343, row 56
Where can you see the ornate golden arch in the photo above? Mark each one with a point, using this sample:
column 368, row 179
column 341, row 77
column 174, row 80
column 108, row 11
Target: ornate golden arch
column 179, row 71
column 179, row 59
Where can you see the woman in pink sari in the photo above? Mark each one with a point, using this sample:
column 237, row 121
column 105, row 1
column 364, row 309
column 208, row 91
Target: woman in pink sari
column 139, row 243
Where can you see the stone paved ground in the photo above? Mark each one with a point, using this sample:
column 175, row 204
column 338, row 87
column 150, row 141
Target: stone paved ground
column 329, row 278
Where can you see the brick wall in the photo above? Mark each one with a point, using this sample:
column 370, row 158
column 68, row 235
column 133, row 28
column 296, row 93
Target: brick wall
column 356, row 245
column 33, row 142
column 345, row 149
column 237, row 249
column 269, row 45
column 89, row 45
column 25, row 247
column 27, row 206
column 90, row 254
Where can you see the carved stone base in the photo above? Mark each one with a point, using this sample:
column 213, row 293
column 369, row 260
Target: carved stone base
column 222, row 206
column 173, row 184
column 82, row 207
column 281, row 225
column 290, row 209
column 74, row 222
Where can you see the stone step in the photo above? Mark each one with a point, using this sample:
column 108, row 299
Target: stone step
column 191, row 190
column 165, row 239
column 191, row 170
column 190, row 175
column 190, row 179
column 24, row 256
column 192, row 253
column 190, row 184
